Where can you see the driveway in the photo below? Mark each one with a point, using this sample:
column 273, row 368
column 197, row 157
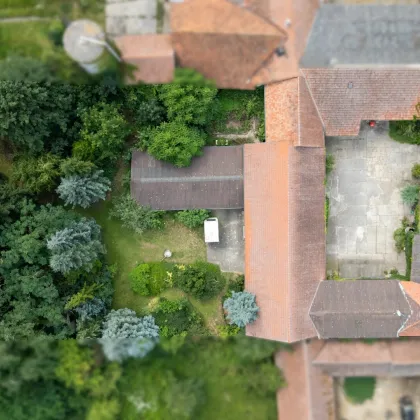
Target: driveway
column 365, row 202
column 385, row 402
column 229, row 252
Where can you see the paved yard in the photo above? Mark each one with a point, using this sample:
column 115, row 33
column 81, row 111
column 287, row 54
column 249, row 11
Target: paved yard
column 384, row 404
column 229, row 252
column 365, row 204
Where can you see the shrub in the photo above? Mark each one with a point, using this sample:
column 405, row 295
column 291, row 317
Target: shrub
column 236, row 284
column 76, row 166
column 149, row 279
column 410, row 195
column 202, row 280
column 135, row 217
column 176, row 143
column 329, row 163
column 192, row 218
column 176, row 317
column 241, row 308
column 359, row 389
column 24, row 69
column 415, row 171
column 84, row 190
column 226, row 331
column 405, row 131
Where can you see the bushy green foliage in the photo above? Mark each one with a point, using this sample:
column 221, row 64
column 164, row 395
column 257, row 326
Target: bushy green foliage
column 84, row 190
column 76, row 246
column 236, row 284
column 176, row 317
column 226, row 331
column 76, row 166
column 410, row 194
column 102, row 136
column 90, row 309
column 104, row 410
column 176, row 143
column 415, row 172
column 24, row 69
column 134, row 217
column 189, row 98
column 192, row 218
column 87, row 293
column 329, row 163
column 241, row 308
column 149, row 279
column 405, row 131
column 31, row 114
column 36, row 174
column 359, row 389
column 202, row 280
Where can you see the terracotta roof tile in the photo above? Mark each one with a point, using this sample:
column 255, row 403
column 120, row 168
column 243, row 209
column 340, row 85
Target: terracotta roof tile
column 412, row 326
column 373, row 95
column 223, row 41
column 283, row 219
column 152, row 54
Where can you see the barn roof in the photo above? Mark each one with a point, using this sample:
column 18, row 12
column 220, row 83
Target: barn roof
column 212, row 181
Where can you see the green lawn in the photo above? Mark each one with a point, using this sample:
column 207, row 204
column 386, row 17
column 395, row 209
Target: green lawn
column 359, row 389
column 74, row 9
column 127, row 249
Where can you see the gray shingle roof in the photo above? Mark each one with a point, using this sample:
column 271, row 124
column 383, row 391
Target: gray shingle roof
column 212, row 181
column 359, row 309
column 364, row 35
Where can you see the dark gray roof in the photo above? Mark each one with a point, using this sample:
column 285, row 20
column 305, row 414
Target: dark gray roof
column 415, row 261
column 212, row 181
column 363, row 35
column 359, row 309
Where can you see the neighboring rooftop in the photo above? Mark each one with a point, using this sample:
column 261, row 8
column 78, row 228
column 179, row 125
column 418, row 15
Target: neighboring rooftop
column 364, row 36
column 213, row 181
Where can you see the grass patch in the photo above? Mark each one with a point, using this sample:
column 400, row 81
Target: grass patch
column 359, row 389
column 127, row 249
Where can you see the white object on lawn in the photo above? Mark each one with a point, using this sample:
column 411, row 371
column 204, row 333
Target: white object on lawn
column 211, row 230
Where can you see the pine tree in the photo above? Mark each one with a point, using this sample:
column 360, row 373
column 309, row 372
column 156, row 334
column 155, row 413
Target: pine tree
column 77, row 246
column 78, row 190
column 125, row 335
column 241, row 308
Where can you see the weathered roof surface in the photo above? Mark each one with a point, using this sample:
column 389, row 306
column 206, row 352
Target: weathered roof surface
column 345, row 97
column 405, row 357
column 359, row 309
column 284, row 219
column 309, row 393
column 212, row 181
column 339, row 358
column 225, row 42
column 415, row 261
column 300, row 14
column 152, row 55
column 412, row 291
column 364, row 35
column 291, row 115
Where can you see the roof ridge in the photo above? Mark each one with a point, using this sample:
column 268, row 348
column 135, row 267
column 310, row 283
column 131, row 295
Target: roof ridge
column 408, row 302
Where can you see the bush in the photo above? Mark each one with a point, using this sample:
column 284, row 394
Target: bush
column 329, row 163
column 359, row 389
column 241, row 308
column 405, row 131
column 202, row 280
column 176, row 143
column 176, row 317
column 236, row 284
column 135, row 217
column 415, row 172
column 226, row 331
column 192, row 218
column 149, row 279
column 410, row 195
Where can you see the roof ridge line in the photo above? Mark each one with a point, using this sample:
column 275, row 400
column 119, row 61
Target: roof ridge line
column 408, row 302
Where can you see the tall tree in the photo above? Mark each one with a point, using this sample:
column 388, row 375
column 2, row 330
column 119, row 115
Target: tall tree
column 84, row 190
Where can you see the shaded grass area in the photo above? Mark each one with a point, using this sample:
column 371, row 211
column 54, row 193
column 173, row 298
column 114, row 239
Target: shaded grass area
column 127, row 249
column 72, row 9
column 235, row 111
column 227, row 382
column 359, row 389
column 405, row 131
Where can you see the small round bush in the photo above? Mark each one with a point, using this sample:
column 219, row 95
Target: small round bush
column 359, row 389
column 192, row 218
column 410, row 195
column 415, row 172
column 241, row 308
column 149, row 279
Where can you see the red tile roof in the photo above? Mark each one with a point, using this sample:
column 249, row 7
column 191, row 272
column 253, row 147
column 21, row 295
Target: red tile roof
column 374, row 95
column 284, row 218
column 223, row 41
column 152, row 54
column 412, row 326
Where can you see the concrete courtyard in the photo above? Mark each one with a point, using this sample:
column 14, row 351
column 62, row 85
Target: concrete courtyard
column 365, row 203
